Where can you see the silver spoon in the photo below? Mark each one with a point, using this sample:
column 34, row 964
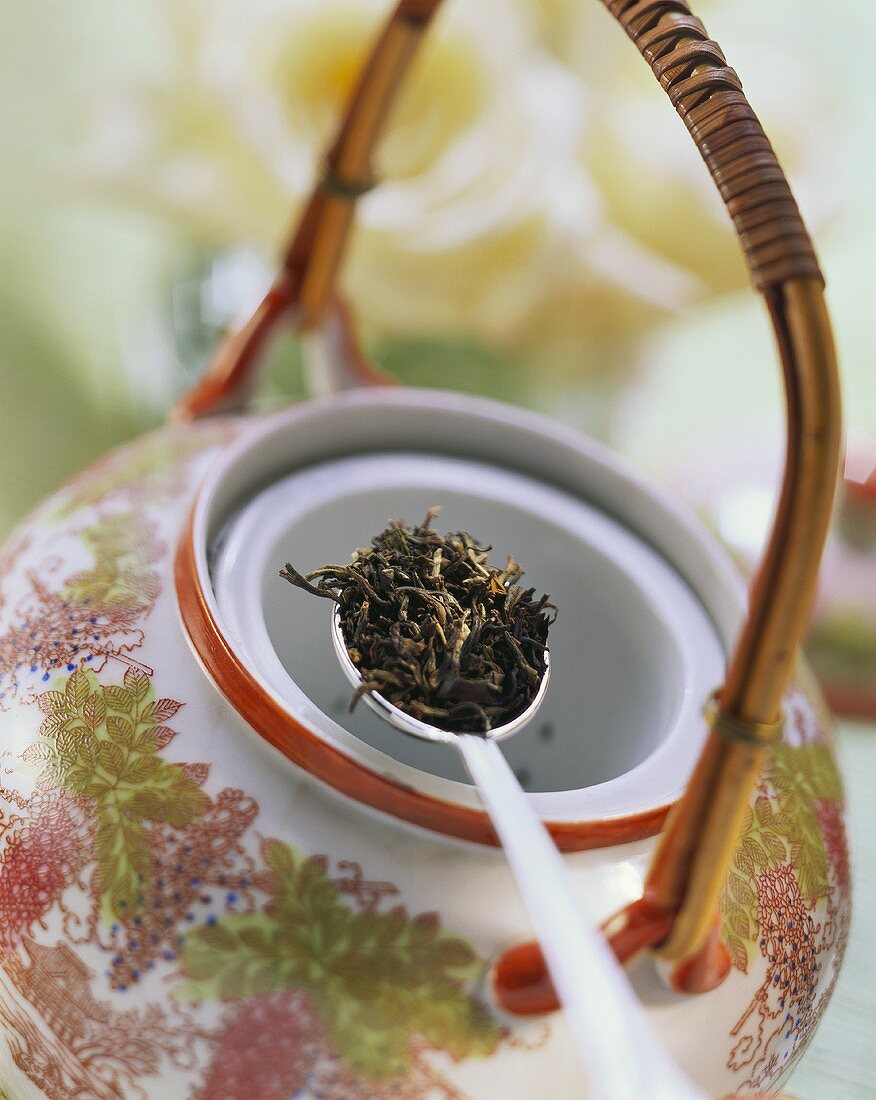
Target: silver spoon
column 605, row 1016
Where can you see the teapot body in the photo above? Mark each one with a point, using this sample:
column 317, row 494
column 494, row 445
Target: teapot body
column 186, row 911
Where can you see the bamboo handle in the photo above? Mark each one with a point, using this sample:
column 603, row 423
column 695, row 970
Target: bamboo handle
column 696, row 849
column 691, row 863
column 305, row 285
column 314, row 256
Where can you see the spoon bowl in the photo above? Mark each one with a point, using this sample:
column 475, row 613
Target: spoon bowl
column 414, row 727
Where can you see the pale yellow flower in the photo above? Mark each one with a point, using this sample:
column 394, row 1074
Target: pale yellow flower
column 490, row 222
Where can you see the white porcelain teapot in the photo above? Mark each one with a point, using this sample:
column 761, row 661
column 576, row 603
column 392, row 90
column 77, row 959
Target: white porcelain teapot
column 214, row 882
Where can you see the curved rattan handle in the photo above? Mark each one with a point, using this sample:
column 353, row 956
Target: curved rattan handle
column 708, row 95
column 691, row 863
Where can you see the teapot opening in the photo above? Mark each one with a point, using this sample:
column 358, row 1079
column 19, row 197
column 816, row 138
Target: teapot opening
column 634, row 651
column 648, row 604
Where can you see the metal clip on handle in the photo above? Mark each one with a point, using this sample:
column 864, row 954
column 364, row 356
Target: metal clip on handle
column 693, row 856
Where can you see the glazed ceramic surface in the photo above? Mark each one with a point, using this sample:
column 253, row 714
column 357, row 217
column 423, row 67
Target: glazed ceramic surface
column 216, row 883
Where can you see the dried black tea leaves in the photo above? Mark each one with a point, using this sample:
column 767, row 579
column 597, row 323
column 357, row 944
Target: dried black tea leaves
column 435, row 629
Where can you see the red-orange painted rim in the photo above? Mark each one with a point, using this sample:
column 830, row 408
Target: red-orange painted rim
column 327, row 763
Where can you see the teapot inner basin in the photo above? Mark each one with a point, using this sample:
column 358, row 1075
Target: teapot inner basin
column 634, row 654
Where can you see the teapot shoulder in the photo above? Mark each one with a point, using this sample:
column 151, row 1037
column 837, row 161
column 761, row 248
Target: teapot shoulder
column 83, row 571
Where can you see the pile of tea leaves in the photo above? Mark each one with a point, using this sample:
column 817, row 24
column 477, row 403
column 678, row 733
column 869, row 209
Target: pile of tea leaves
column 435, row 629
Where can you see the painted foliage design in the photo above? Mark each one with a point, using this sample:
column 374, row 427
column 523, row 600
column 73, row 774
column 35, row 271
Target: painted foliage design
column 291, row 975
column 785, row 894
column 92, row 616
column 376, row 987
column 103, row 745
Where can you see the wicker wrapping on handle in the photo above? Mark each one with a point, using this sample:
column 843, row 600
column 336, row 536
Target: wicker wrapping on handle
column 708, row 96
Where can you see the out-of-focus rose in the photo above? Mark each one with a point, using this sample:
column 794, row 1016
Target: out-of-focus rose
column 489, row 223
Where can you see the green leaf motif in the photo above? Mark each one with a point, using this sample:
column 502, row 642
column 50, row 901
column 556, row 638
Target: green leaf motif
column 103, row 743
column 802, row 777
column 383, row 982
column 123, row 547
column 778, row 829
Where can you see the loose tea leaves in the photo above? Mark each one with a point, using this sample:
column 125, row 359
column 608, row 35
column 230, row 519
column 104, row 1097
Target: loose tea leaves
column 435, row 629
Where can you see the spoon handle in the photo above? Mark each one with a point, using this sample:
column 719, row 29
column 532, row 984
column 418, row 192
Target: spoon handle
column 621, row 1054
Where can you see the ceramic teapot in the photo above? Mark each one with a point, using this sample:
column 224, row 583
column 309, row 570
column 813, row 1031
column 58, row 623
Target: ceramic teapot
column 215, row 882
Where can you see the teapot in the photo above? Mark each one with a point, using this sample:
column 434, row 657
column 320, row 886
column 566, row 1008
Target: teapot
column 216, row 882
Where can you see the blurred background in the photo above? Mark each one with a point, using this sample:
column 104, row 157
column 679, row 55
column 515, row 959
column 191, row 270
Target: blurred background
column 545, row 234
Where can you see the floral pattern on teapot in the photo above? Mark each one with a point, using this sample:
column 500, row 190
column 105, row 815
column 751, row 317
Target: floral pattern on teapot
column 357, row 991
column 787, row 898
column 331, row 985
column 288, row 973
